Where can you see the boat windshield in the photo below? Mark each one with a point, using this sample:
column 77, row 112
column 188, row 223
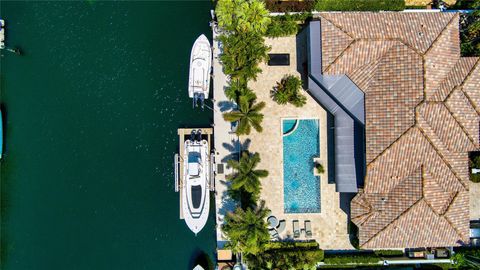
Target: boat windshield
column 196, row 196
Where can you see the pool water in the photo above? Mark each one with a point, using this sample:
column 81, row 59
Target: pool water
column 301, row 188
column 288, row 125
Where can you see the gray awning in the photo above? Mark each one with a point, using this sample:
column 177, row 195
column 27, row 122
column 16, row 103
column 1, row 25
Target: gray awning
column 345, row 101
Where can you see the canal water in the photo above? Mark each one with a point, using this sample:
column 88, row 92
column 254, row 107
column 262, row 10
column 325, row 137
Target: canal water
column 92, row 108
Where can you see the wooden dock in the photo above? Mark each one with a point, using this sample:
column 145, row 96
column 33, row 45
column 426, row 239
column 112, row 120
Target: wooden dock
column 182, row 133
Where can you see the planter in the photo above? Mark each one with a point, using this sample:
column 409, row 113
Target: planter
column 315, row 170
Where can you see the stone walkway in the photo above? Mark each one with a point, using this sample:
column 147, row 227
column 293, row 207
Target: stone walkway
column 330, row 226
column 474, row 201
column 225, row 143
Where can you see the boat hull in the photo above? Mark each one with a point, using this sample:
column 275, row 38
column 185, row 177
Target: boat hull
column 195, row 191
column 1, row 134
column 200, row 67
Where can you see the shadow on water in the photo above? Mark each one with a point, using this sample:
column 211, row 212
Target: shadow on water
column 199, row 257
column 4, row 195
column 3, row 109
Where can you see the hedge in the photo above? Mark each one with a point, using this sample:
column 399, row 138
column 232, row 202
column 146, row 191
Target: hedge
column 359, row 5
column 388, row 253
column 287, row 245
column 287, row 255
column 475, row 163
column 289, row 6
column 352, row 259
column 286, row 25
column 282, row 26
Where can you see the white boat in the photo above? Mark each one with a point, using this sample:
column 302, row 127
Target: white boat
column 2, row 34
column 200, row 66
column 195, row 190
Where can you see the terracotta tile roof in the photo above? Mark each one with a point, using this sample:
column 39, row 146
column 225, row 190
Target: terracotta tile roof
column 441, row 57
column 422, row 103
column 456, row 77
column 471, row 86
column 335, row 42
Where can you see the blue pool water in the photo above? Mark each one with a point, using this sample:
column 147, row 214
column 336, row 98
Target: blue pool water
column 301, row 188
column 288, row 125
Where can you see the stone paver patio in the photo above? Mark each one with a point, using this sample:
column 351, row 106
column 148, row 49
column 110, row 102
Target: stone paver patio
column 330, row 226
column 474, row 202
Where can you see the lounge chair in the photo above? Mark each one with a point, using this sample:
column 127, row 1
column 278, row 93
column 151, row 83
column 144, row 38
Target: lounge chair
column 296, row 229
column 308, row 228
column 282, row 224
column 273, row 234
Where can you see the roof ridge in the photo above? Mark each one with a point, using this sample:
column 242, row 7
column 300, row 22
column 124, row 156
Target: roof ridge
column 439, row 186
column 463, row 82
column 345, row 32
column 362, row 219
column 459, row 62
column 337, row 26
column 441, row 33
column 444, row 216
column 327, row 69
column 389, row 146
column 456, row 120
column 459, row 179
column 395, row 219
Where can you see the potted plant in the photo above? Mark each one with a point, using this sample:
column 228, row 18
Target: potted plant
column 318, row 168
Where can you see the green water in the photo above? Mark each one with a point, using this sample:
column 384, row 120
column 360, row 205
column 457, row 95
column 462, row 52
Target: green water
column 92, row 109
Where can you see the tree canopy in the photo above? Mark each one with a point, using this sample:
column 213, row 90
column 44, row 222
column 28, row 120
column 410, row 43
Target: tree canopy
column 243, row 16
column 248, row 115
column 246, row 177
column 241, row 55
column 247, row 229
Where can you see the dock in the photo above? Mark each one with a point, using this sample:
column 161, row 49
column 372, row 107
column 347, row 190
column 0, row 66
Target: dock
column 226, row 142
column 179, row 158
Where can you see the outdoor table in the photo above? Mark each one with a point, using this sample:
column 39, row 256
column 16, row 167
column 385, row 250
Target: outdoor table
column 272, row 221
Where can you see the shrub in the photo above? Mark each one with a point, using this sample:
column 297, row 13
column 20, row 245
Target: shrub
column 286, row 25
column 388, row 253
column 293, row 245
column 288, row 91
column 352, row 258
column 470, row 31
column 360, row 5
column 463, row 257
column 289, row 6
column 282, row 26
column 287, row 255
column 475, row 163
column 319, row 168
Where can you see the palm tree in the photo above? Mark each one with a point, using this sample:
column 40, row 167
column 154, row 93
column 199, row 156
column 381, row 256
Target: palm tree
column 248, row 115
column 245, row 176
column 238, row 88
column 242, row 16
column 247, row 229
column 241, row 55
column 288, row 90
column 224, row 11
column 254, row 18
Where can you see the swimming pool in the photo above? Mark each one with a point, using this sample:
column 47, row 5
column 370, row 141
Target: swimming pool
column 300, row 145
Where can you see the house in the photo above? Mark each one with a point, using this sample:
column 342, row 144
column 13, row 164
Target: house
column 406, row 114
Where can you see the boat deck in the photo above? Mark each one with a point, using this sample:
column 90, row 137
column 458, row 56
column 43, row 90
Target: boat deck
column 182, row 132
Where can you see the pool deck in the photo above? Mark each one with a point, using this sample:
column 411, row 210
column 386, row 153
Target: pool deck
column 330, row 226
column 474, row 203
column 222, row 139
